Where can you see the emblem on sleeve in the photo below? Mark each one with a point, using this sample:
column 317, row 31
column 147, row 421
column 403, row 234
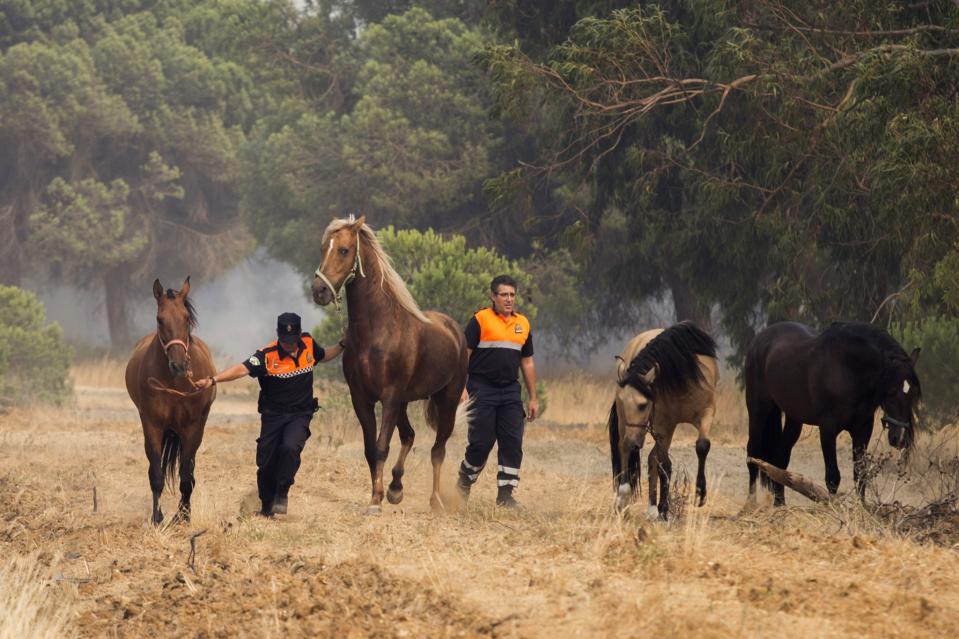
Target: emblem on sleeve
column 254, row 360
column 519, row 328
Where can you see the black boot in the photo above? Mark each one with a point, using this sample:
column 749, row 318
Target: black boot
column 463, row 485
column 504, row 497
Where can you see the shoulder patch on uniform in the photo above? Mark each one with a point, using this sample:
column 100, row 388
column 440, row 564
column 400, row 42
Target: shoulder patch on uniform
column 519, row 328
column 254, row 360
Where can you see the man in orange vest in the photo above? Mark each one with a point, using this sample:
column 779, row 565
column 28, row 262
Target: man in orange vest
column 286, row 404
column 500, row 344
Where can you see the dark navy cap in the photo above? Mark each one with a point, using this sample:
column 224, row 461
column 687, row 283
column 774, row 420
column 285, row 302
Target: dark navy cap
column 288, row 327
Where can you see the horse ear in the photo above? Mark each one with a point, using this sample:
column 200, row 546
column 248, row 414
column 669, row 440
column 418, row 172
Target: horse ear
column 620, row 369
column 650, row 376
column 186, row 287
column 157, row 288
column 915, row 355
column 360, row 221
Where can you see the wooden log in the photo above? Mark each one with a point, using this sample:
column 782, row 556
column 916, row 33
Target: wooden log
column 797, row 482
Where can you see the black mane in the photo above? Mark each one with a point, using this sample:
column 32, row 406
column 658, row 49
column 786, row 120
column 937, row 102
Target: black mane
column 873, row 350
column 673, row 352
column 187, row 303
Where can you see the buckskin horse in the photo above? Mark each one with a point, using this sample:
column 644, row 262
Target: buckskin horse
column 395, row 353
column 836, row 381
column 666, row 377
column 159, row 381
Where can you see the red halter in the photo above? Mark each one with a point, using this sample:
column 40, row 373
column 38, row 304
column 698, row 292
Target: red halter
column 175, row 342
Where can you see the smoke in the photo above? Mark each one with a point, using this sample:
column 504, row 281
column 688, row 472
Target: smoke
column 237, row 311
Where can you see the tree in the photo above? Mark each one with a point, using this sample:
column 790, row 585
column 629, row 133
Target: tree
column 121, row 147
column 778, row 162
column 34, row 357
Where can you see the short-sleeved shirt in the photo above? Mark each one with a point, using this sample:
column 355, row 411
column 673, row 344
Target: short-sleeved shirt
column 286, row 380
column 499, row 344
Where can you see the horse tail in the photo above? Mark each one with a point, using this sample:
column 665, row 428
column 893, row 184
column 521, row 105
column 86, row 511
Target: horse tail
column 612, row 426
column 431, row 411
column 170, row 457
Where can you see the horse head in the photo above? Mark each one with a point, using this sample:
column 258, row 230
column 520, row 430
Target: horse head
column 341, row 260
column 902, row 396
column 635, row 399
column 175, row 320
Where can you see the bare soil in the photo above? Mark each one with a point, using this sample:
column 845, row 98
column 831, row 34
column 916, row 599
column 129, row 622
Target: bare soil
column 564, row 566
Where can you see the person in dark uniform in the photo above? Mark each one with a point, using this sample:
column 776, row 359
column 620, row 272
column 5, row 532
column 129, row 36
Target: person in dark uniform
column 500, row 344
column 286, row 404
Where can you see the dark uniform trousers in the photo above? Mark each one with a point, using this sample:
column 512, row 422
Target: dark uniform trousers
column 497, row 416
column 278, row 448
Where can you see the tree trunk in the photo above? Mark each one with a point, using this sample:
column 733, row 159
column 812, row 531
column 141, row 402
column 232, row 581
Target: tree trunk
column 10, row 267
column 686, row 305
column 118, row 319
column 806, row 487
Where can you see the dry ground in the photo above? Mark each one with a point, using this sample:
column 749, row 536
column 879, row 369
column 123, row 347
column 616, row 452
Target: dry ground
column 567, row 566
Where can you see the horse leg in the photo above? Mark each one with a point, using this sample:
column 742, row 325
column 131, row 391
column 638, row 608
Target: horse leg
column 827, row 438
column 761, row 413
column 652, row 461
column 860, row 440
column 446, row 406
column 395, row 493
column 702, row 450
column 664, row 467
column 188, row 451
column 791, row 431
column 153, row 444
column 387, row 424
column 366, row 413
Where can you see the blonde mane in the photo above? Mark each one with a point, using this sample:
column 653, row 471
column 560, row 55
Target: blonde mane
column 390, row 280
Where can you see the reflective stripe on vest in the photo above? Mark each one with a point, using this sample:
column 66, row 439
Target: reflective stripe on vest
column 286, row 367
column 499, row 332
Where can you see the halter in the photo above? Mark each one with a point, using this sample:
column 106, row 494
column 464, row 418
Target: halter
column 175, row 342
column 888, row 421
column 357, row 268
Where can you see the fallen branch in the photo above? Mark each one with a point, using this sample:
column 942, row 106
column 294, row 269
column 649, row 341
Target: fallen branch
column 797, row 482
column 193, row 548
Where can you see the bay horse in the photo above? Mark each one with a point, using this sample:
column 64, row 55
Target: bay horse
column 665, row 377
column 395, row 353
column 835, row 380
column 172, row 413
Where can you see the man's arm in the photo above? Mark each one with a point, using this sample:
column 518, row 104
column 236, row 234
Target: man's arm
column 465, row 396
column 228, row 375
column 332, row 352
column 529, row 376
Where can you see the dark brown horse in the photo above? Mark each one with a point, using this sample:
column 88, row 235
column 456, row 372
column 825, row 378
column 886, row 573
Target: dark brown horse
column 395, row 353
column 835, row 380
column 159, row 380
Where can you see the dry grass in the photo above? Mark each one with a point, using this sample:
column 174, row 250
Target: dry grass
column 567, row 566
column 30, row 606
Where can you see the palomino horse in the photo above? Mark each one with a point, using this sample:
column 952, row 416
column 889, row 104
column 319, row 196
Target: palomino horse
column 666, row 377
column 159, row 381
column 836, row 381
column 395, row 353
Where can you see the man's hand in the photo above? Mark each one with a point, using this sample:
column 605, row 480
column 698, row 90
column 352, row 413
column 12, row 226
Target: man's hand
column 465, row 396
column 204, row 383
column 532, row 409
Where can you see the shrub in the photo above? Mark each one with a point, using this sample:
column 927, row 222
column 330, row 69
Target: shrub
column 34, row 357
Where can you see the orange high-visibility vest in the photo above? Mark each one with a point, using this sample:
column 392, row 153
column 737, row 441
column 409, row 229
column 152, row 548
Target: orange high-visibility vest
column 287, row 366
column 497, row 331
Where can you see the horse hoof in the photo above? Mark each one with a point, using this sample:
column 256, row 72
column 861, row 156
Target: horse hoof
column 373, row 510
column 394, row 497
column 652, row 512
column 623, row 495
column 436, row 504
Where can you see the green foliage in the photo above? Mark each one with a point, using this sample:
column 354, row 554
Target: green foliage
column 938, row 366
column 34, row 358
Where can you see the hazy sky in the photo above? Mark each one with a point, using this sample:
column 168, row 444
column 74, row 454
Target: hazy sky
column 237, row 311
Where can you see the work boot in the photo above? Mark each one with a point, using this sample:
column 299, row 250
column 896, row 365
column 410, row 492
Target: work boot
column 279, row 505
column 504, row 498
column 463, row 486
